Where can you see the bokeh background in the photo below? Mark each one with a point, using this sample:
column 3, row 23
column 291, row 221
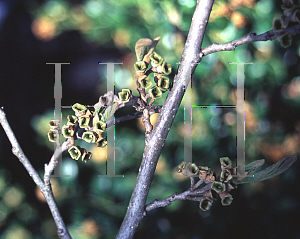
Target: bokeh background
column 83, row 33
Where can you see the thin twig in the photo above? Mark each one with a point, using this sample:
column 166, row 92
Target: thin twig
column 251, row 37
column 54, row 159
column 190, row 194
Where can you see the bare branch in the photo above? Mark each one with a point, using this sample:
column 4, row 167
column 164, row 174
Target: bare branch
column 18, row 152
column 45, row 189
column 186, row 195
column 251, row 37
column 54, row 160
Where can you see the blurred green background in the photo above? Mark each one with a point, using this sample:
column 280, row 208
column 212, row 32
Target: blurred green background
column 84, row 33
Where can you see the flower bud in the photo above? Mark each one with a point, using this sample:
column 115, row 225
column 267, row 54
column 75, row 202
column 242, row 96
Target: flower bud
column 156, row 59
column 53, row 135
column 226, row 198
column 84, row 122
column 225, row 162
column 163, row 83
column 285, row 40
column 180, row 167
column 278, row 25
column 205, row 203
column 79, row 109
column 225, row 175
column 155, row 92
column 145, row 81
column 72, row 119
column 102, row 143
column 90, row 136
column 86, row 156
column 54, row 124
column 140, row 66
column 100, row 125
column 125, row 95
column 67, row 131
column 75, row 152
column 218, row 186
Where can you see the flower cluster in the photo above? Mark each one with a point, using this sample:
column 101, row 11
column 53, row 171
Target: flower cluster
column 291, row 13
column 221, row 185
column 159, row 68
column 86, row 124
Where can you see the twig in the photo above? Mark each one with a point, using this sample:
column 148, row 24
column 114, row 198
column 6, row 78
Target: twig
column 186, row 195
column 45, row 189
column 143, row 103
column 251, row 37
column 53, row 161
column 192, row 181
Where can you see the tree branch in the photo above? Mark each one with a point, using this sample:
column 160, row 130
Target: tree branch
column 135, row 212
column 45, row 189
column 54, row 159
column 251, row 37
column 186, row 195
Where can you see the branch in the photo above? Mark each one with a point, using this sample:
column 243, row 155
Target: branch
column 135, row 212
column 251, row 37
column 186, row 195
column 45, row 189
column 54, row 159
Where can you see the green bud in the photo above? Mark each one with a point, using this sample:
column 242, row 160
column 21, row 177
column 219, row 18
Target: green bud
column 226, row 199
column 102, row 143
column 67, row 131
column 225, row 175
column 180, row 167
column 84, row 122
column 163, row 83
column 225, row 162
column 205, row 203
column 155, row 92
column 100, row 125
column 166, row 68
column 86, row 156
column 75, row 152
column 140, row 66
column 218, row 186
column 72, row 119
column 79, row 109
column 53, row 135
column 145, row 81
column 192, row 169
column 54, row 124
column 90, row 136
column 125, row 95
column 156, row 59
